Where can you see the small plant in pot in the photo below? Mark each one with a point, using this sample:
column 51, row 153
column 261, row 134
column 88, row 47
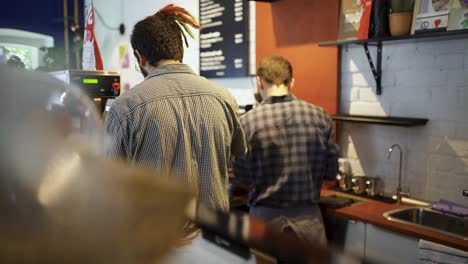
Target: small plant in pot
column 400, row 17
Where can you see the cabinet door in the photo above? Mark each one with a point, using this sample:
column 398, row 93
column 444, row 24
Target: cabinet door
column 345, row 234
column 384, row 246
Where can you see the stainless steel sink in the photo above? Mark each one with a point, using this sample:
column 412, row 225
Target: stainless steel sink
column 430, row 219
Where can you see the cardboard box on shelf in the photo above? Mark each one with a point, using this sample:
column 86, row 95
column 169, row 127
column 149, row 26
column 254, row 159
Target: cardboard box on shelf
column 350, row 18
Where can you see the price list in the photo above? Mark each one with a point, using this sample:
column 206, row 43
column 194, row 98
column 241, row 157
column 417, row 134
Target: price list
column 224, row 38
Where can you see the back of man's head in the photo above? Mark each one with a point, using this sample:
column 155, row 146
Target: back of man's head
column 275, row 70
column 158, row 37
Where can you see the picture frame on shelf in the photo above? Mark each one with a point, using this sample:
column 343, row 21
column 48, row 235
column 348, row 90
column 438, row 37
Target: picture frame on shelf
column 350, row 17
column 458, row 16
column 432, row 16
column 417, row 7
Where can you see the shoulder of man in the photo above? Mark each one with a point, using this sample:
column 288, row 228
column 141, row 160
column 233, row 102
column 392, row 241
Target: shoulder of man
column 315, row 108
column 127, row 102
column 221, row 91
column 248, row 119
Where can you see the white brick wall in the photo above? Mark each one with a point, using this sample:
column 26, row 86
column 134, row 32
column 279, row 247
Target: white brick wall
column 423, row 79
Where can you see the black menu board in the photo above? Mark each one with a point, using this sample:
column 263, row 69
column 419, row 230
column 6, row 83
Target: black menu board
column 223, row 38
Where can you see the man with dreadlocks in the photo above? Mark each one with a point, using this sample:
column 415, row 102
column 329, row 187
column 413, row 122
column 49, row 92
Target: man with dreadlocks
column 176, row 120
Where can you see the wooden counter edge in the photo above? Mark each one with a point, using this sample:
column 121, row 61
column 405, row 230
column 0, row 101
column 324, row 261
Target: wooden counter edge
column 375, row 217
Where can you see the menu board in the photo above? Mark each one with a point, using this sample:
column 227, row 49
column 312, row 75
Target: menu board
column 224, row 38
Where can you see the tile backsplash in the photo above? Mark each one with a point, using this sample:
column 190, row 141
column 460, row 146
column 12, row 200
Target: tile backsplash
column 422, row 79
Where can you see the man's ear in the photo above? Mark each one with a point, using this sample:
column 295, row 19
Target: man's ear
column 291, row 86
column 259, row 83
column 141, row 59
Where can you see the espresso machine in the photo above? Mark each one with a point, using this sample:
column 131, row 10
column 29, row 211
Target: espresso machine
column 101, row 86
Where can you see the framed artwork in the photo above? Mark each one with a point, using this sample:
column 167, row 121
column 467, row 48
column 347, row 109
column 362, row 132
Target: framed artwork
column 458, row 15
column 432, row 15
column 350, row 18
column 417, row 7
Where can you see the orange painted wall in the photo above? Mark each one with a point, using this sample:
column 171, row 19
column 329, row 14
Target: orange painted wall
column 293, row 29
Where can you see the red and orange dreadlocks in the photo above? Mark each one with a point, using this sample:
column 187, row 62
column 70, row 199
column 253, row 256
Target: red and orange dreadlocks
column 182, row 18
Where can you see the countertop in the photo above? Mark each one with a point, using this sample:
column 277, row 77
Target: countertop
column 370, row 211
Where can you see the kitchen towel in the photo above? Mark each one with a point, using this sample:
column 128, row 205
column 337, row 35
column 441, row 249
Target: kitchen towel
column 430, row 252
column 450, row 208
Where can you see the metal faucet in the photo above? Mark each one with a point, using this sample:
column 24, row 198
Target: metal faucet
column 465, row 192
column 398, row 190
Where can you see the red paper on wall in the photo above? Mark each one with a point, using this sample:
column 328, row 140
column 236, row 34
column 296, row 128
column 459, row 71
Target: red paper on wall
column 363, row 32
column 91, row 54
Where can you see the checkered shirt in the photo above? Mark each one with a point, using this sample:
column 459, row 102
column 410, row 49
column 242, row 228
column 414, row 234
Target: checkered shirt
column 178, row 121
column 291, row 149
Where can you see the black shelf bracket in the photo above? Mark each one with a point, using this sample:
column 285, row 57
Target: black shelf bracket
column 376, row 71
column 418, row 37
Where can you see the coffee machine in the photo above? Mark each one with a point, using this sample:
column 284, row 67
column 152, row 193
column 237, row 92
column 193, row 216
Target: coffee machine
column 101, row 86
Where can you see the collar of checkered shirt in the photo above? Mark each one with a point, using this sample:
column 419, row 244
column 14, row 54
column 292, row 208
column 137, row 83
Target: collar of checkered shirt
column 279, row 99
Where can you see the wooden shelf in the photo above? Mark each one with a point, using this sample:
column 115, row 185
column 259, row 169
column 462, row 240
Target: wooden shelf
column 445, row 35
column 381, row 120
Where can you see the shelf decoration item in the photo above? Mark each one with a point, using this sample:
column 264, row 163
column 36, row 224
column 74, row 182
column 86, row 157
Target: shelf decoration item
column 458, row 15
column 400, row 17
column 432, row 16
column 350, row 17
column 416, row 9
column 364, row 24
column 379, row 23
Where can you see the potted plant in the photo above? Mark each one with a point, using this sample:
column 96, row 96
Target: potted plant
column 400, row 17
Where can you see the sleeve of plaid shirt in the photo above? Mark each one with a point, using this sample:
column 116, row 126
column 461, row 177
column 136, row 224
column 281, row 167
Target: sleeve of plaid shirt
column 115, row 138
column 241, row 165
column 332, row 156
column 241, row 170
column 238, row 144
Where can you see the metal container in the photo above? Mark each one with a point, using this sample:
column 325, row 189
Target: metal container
column 345, row 181
column 359, row 184
column 373, row 186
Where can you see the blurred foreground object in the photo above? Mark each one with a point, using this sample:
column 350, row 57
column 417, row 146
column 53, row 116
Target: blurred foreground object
column 60, row 201
column 237, row 230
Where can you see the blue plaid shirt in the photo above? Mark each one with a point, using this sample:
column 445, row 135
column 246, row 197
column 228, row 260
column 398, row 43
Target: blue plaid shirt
column 291, row 149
